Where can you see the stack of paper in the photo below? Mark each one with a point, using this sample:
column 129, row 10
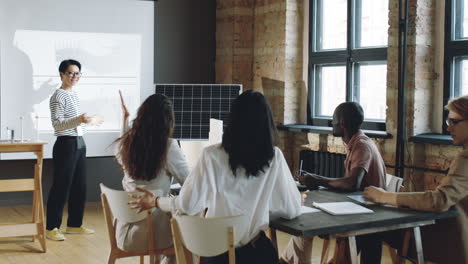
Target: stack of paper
column 342, row 208
column 216, row 131
column 307, row 209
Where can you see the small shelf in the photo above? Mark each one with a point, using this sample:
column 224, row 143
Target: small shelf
column 432, row 138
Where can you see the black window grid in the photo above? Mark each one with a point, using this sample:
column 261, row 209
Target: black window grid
column 351, row 57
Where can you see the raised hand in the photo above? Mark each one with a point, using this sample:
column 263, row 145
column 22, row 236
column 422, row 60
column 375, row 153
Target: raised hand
column 125, row 112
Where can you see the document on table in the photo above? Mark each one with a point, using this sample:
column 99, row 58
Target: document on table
column 358, row 198
column 342, row 208
column 307, row 209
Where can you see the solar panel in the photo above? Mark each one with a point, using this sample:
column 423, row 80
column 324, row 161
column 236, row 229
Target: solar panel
column 195, row 104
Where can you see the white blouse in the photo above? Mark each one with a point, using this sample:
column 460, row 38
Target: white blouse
column 212, row 185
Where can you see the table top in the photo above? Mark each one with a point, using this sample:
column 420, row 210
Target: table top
column 322, row 223
column 18, row 142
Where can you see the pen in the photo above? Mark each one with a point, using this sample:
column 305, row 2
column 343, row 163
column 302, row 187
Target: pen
column 299, row 172
column 316, row 205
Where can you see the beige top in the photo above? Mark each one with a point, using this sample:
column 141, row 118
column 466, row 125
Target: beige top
column 447, row 240
column 363, row 153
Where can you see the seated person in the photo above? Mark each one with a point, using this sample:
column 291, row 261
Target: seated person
column 244, row 175
column 447, row 240
column 150, row 159
column 364, row 167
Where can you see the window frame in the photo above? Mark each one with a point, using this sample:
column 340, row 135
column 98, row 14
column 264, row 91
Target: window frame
column 351, row 56
column 455, row 49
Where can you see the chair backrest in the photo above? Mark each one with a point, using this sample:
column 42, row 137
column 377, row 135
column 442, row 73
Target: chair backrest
column 394, row 183
column 208, row 237
column 118, row 203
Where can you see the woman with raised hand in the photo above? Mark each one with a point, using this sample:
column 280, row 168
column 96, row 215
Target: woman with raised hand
column 151, row 159
column 244, row 175
column 447, row 240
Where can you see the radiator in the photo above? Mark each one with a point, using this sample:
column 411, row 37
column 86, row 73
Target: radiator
column 323, row 163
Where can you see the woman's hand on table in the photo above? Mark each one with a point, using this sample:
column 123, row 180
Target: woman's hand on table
column 374, row 194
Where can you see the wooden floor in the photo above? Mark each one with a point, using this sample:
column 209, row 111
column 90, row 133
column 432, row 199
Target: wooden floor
column 83, row 249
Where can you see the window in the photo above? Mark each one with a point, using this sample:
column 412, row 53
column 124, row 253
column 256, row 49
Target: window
column 456, row 49
column 348, row 53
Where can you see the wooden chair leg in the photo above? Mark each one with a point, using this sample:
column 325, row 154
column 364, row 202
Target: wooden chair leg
column 112, row 259
column 142, row 259
column 325, row 250
column 393, row 255
column 231, row 250
column 273, row 238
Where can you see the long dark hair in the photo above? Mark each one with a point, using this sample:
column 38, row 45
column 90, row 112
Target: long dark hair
column 143, row 148
column 251, row 135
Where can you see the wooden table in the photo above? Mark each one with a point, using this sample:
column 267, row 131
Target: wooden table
column 36, row 227
column 383, row 219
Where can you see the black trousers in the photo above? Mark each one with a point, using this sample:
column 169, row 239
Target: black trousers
column 260, row 251
column 69, row 182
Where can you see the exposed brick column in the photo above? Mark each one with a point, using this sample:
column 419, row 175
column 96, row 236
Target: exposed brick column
column 293, row 60
column 420, row 82
column 420, row 71
column 234, row 41
column 269, row 53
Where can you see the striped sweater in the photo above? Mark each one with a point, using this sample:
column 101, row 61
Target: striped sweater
column 65, row 113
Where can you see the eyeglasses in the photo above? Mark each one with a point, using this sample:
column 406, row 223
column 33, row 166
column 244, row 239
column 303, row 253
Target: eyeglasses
column 453, row 121
column 72, row 74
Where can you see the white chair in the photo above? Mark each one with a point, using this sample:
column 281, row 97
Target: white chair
column 206, row 237
column 115, row 207
column 394, row 184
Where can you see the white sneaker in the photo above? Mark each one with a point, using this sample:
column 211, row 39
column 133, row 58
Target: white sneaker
column 78, row 230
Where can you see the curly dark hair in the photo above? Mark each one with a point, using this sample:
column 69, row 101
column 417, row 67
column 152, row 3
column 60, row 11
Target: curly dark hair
column 143, row 148
column 250, row 136
column 352, row 115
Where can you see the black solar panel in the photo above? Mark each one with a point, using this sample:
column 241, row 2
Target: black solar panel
column 195, row 104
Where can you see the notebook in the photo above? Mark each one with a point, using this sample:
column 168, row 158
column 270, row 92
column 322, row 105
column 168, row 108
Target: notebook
column 307, row 209
column 342, row 208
